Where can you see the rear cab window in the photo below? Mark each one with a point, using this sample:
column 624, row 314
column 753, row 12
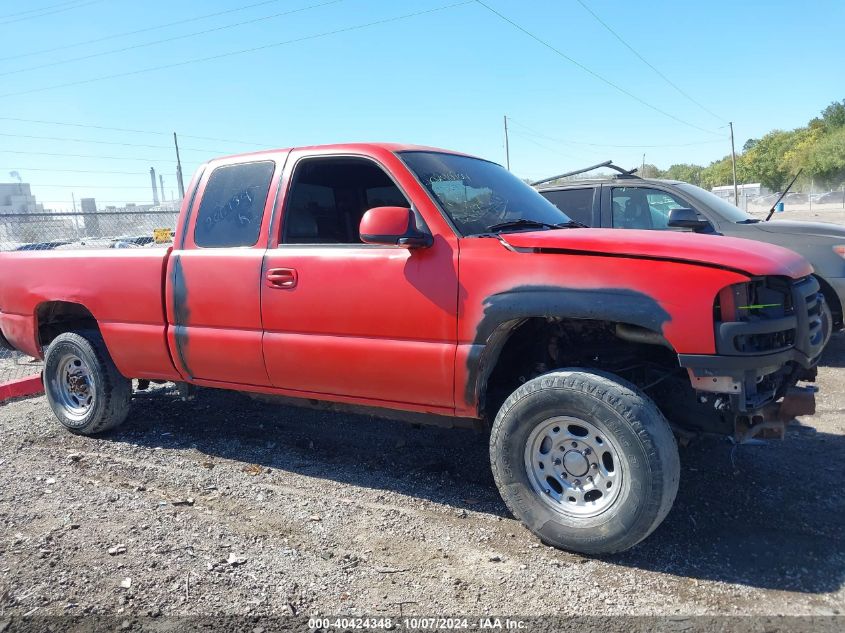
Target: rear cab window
column 232, row 207
column 576, row 203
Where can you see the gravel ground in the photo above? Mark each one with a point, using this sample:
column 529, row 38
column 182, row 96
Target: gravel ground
column 224, row 505
column 818, row 213
column 14, row 365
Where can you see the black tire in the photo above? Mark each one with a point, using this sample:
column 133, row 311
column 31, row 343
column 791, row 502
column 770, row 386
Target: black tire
column 106, row 393
column 632, row 427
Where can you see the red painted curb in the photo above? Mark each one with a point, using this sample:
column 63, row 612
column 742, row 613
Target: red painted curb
column 29, row 386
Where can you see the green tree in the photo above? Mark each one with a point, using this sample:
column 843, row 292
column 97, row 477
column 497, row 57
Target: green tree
column 833, row 115
column 825, row 159
column 717, row 173
column 818, row 148
column 750, row 143
column 649, row 171
column 685, row 172
column 768, row 161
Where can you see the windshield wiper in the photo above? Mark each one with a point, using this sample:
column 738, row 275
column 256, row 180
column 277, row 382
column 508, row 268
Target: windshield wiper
column 749, row 221
column 526, row 223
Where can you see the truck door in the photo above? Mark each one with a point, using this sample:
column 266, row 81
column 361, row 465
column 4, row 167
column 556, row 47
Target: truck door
column 214, row 275
column 348, row 319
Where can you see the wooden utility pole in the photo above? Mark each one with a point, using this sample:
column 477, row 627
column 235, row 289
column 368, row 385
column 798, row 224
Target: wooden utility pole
column 507, row 146
column 179, row 169
column 733, row 164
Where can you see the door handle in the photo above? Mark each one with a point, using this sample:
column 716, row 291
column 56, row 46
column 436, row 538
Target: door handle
column 284, row 278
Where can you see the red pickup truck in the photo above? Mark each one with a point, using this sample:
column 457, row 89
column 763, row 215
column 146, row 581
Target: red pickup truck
column 433, row 286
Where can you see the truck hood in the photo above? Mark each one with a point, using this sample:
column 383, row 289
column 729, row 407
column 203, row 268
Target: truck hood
column 753, row 258
column 797, row 227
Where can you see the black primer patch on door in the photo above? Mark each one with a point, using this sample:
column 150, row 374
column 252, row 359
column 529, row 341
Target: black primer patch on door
column 181, row 313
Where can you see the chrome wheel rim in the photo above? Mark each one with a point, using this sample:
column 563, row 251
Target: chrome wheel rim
column 73, row 387
column 573, row 466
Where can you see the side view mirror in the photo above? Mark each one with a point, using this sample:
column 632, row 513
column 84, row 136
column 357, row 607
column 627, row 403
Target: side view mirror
column 686, row 219
column 393, row 226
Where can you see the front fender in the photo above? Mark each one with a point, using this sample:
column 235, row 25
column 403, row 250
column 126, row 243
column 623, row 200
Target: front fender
column 504, row 311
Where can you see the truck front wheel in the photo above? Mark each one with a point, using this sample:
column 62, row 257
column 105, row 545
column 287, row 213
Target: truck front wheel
column 585, row 460
column 84, row 388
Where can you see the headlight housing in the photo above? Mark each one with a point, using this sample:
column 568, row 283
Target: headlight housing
column 759, row 298
column 755, row 317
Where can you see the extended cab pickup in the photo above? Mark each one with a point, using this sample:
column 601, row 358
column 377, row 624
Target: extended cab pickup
column 433, row 286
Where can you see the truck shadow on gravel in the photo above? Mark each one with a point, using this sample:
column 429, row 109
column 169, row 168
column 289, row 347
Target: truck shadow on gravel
column 834, row 352
column 769, row 516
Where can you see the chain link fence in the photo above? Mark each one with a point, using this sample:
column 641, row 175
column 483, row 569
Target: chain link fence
column 100, row 229
column 792, row 201
column 43, row 231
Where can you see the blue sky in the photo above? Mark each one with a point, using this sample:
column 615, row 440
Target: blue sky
column 443, row 78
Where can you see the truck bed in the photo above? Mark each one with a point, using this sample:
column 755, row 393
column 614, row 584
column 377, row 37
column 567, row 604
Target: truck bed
column 121, row 288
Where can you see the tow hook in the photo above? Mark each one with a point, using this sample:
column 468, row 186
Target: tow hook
column 771, row 421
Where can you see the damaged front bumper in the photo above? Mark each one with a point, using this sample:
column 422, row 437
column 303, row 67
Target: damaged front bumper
column 757, row 389
column 773, row 418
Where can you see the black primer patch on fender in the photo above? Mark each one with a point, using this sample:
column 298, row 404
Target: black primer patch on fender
column 603, row 304
column 181, row 313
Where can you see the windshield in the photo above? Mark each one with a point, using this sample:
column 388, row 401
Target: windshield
column 721, row 206
column 478, row 195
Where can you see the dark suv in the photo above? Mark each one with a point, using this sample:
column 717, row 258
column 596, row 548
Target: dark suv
column 626, row 201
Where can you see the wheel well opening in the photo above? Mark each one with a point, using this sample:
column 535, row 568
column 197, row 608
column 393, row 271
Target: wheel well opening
column 538, row 345
column 833, row 302
column 57, row 317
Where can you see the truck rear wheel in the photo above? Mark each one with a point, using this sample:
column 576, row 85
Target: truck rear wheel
column 585, row 460
column 86, row 392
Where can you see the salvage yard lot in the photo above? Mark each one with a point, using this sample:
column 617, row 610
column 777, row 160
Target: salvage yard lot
column 228, row 505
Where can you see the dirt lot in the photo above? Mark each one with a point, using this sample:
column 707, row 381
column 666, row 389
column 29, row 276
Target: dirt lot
column 227, row 505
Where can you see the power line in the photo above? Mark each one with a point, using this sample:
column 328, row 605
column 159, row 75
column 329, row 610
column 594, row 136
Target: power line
column 584, row 68
column 646, row 62
column 78, row 171
column 547, row 148
column 612, row 146
column 82, row 140
column 168, row 39
column 129, row 130
column 41, row 15
column 146, row 160
column 144, row 30
column 145, row 187
column 254, row 49
column 49, row 6
column 133, row 201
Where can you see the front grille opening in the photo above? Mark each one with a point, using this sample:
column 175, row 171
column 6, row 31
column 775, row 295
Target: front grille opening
column 814, row 307
column 772, row 341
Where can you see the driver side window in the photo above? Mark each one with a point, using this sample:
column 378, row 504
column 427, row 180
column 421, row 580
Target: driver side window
column 328, row 197
column 642, row 208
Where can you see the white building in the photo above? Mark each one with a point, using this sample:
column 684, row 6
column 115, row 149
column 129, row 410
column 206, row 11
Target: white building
column 748, row 190
column 16, row 197
column 23, row 219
